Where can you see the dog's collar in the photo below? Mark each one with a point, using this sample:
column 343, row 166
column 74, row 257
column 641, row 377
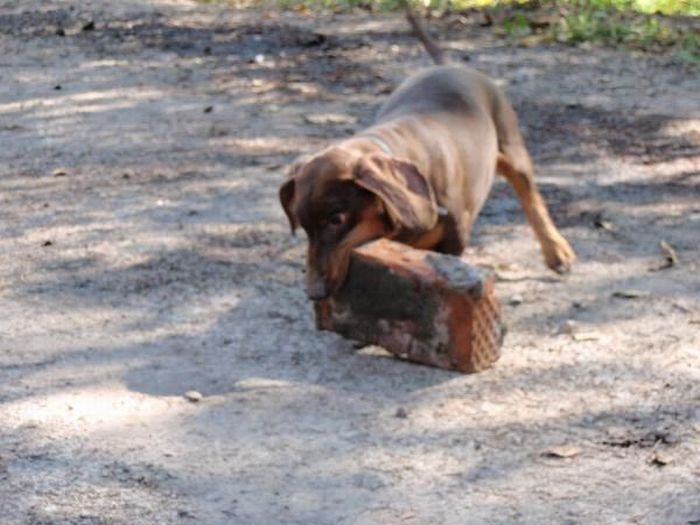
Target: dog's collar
column 379, row 141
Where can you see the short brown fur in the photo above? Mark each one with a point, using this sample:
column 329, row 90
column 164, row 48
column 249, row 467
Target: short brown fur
column 419, row 175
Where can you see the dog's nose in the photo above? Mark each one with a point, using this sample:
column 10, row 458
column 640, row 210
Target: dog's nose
column 316, row 289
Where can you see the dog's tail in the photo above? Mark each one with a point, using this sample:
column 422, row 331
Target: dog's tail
column 435, row 52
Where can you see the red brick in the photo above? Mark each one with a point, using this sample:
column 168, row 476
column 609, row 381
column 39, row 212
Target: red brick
column 425, row 307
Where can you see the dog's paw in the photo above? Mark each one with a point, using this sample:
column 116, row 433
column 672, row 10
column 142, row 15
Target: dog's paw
column 559, row 255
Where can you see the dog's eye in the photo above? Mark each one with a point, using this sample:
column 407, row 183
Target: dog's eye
column 337, row 219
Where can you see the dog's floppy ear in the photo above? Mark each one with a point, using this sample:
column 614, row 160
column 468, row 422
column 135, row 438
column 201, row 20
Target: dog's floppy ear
column 287, row 190
column 405, row 192
column 286, row 199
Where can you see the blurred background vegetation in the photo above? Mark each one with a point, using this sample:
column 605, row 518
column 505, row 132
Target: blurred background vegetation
column 669, row 26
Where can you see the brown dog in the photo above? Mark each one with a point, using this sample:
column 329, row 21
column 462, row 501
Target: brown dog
column 419, row 176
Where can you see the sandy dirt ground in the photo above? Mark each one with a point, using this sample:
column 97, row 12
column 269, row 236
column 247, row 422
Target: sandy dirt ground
column 143, row 254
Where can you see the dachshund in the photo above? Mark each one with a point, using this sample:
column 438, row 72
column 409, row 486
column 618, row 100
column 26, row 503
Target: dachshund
column 419, row 175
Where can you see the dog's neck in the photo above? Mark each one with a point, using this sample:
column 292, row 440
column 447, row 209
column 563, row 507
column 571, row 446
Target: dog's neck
column 379, row 141
column 368, row 142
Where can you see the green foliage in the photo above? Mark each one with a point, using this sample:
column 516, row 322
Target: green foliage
column 639, row 24
column 601, row 21
column 667, row 7
column 517, row 26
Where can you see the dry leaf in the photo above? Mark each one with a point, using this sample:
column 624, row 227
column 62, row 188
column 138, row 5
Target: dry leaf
column 561, row 451
column 330, row 118
column 585, row 336
column 533, row 40
column 671, row 257
column 578, row 333
column 630, row 294
column 604, row 225
column 670, row 252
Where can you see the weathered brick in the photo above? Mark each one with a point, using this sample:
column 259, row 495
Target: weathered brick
column 426, row 307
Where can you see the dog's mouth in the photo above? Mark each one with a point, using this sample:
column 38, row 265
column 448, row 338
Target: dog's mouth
column 317, row 287
column 316, row 293
column 322, row 288
column 326, row 280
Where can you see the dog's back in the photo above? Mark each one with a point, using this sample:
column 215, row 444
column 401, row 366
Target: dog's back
column 444, row 88
column 483, row 127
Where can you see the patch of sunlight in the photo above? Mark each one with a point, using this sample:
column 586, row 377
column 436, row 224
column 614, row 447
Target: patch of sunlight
column 89, row 409
column 107, row 62
column 260, row 383
column 258, row 144
column 681, row 128
column 91, row 97
column 534, row 407
column 70, row 115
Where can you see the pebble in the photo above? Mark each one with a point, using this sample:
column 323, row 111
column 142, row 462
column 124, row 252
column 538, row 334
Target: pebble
column 661, row 459
column 193, row 396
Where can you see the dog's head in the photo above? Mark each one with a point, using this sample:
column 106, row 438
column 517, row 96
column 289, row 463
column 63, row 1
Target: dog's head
column 343, row 199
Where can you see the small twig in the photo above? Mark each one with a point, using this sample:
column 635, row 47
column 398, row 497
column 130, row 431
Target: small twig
column 671, row 257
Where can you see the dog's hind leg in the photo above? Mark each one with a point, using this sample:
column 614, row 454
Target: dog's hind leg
column 515, row 164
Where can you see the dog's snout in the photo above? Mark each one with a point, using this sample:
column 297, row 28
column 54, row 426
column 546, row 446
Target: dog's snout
column 316, row 287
